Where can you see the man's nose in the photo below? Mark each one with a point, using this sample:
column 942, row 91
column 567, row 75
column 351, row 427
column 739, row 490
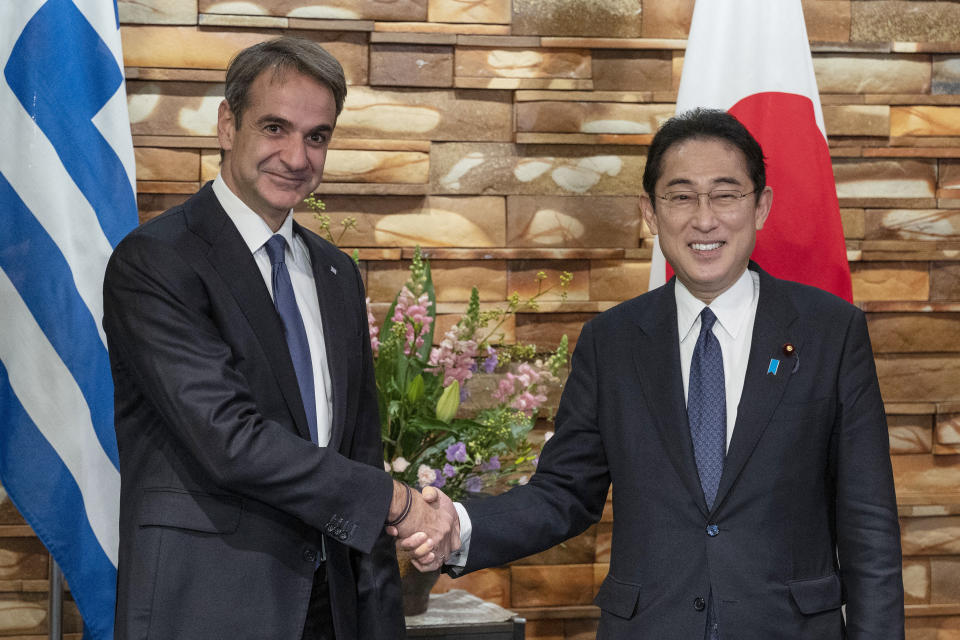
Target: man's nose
column 704, row 215
column 294, row 153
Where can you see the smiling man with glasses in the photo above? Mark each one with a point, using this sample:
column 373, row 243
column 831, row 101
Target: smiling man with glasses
column 738, row 418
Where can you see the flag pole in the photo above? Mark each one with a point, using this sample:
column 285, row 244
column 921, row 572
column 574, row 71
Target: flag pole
column 55, row 601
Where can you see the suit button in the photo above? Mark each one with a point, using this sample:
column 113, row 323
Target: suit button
column 699, row 604
column 309, row 555
column 713, row 530
column 342, row 535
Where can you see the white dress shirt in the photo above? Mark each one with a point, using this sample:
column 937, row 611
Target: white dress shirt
column 736, row 310
column 255, row 233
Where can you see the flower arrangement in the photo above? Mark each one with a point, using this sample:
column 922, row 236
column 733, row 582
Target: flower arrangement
column 422, row 387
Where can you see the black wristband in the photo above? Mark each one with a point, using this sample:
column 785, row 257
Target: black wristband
column 406, row 508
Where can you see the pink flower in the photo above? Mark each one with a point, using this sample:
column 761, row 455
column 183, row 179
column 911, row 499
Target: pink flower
column 373, row 329
column 519, row 390
column 426, row 475
column 414, row 314
column 505, row 388
column 454, row 359
column 527, row 402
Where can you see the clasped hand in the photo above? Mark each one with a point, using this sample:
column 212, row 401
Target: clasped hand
column 431, row 531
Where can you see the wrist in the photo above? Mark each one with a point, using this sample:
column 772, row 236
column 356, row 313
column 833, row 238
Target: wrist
column 400, row 504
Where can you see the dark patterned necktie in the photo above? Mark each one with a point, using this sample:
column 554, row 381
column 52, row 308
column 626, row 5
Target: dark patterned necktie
column 707, row 407
column 293, row 329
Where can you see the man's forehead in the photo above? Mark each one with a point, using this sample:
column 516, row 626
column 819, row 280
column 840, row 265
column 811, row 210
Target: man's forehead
column 700, row 160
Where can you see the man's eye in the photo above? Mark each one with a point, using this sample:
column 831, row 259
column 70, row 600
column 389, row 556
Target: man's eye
column 318, row 138
column 681, row 197
column 273, row 128
column 725, row 196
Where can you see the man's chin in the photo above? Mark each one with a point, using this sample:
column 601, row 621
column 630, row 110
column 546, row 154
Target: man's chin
column 286, row 200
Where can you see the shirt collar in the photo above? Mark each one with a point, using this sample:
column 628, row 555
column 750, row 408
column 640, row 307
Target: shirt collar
column 254, row 231
column 732, row 307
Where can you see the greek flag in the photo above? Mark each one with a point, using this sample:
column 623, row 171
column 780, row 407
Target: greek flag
column 66, row 199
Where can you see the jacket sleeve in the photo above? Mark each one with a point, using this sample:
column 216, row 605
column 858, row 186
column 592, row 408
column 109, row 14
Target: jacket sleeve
column 162, row 325
column 568, row 491
column 868, row 532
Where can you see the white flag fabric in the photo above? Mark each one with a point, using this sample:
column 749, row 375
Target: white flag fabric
column 752, row 58
column 67, row 197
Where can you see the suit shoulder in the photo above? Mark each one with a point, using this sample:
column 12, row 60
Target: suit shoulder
column 327, row 249
column 814, row 302
column 629, row 310
column 167, row 226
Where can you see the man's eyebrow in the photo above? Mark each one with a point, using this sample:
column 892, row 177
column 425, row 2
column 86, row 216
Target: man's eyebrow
column 280, row 120
column 688, row 182
column 269, row 118
column 323, row 128
column 727, row 180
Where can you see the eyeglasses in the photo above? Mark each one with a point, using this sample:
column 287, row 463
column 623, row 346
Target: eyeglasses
column 688, row 201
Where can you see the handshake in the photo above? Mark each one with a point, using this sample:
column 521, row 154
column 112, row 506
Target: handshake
column 426, row 525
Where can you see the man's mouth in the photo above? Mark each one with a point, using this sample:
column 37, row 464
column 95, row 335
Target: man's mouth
column 287, row 179
column 706, row 246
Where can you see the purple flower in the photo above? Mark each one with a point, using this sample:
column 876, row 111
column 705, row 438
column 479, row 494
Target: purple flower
column 492, row 464
column 457, row 452
column 464, row 394
column 474, row 484
column 490, row 363
column 449, row 471
column 439, row 481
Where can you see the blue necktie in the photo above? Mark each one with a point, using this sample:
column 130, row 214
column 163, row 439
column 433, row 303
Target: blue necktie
column 296, row 334
column 707, row 414
column 707, row 407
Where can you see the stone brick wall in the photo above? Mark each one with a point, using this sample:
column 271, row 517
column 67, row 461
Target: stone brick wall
column 508, row 137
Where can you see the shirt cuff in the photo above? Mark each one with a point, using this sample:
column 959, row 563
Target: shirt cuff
column 458, row 559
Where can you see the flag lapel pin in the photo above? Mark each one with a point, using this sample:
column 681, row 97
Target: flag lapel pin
column 773, row 366
column 333, row 270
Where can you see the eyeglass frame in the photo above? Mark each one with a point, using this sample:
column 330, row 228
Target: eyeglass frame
column 668, row 204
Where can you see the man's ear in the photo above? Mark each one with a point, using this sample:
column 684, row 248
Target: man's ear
column 226, row 126
column 649, row 215
column 764, row 202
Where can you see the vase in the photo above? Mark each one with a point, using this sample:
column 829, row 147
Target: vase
column 415, row 585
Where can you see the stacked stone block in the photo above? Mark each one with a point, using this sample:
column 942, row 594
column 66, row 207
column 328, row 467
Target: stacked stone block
column 507, row 137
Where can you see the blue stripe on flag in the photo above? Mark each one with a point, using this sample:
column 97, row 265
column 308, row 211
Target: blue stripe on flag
column 63, row 73
column 46, row 494
column 62, row 91
column 43, row 278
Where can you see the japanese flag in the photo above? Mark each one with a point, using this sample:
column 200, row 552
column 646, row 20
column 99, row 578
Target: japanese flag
column 752, row 59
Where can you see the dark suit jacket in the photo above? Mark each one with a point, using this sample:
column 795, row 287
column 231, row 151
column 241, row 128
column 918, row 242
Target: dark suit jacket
column 806, row 510
column 223, row 496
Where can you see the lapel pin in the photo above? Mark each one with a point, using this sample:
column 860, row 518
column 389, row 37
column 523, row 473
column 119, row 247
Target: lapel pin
column 791, row 352
column 333, row 270
column 774, row 365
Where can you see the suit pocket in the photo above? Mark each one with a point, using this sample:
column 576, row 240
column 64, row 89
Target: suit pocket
column 618, row 598
column 201, row 512
column 815, row 595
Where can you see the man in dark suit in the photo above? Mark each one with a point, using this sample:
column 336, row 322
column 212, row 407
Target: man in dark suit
column 739, row 420
column 253, row 495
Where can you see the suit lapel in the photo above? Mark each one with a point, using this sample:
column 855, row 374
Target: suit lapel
column 332, row 309
column 774, row 327
column 657, row 359
column 232, row 259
